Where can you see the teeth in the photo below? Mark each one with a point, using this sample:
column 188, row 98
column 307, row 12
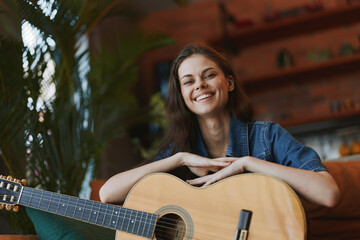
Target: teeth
column 203, row 96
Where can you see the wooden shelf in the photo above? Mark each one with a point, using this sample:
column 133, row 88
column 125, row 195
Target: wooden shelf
column 346, row 158
column 324, row 122
column 307, row 23
column 321, row 20
column 331, row 67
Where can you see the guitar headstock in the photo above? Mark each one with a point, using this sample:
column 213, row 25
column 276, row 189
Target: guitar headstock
column 10, row 190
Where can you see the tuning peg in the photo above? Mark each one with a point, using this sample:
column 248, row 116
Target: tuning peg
column 15, row 208
column 8, row 207
column 10, row 178
column 23, row 182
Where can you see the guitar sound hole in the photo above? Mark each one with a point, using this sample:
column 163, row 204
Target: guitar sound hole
column 170, row 226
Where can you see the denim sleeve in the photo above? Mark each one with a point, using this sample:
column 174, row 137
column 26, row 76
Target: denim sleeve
column 287, row 151
column 164, row 153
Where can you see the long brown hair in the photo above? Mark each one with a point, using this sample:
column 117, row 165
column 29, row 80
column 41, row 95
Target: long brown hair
column 181, row 131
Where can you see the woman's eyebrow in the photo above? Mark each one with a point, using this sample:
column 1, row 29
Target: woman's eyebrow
column 202, row 72
column 186, row 75
column 206, row 69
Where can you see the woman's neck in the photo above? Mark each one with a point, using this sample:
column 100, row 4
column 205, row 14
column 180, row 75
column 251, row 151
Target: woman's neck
column 215, row 133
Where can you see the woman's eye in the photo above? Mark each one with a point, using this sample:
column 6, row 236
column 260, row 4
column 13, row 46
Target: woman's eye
column 210, row 75
column 187, row 82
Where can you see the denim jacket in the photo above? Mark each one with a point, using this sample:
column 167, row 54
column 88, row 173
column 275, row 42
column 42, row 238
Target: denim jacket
column 267, row 141
column 264, row 140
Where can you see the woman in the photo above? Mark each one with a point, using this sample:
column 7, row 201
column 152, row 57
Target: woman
column 211, row 137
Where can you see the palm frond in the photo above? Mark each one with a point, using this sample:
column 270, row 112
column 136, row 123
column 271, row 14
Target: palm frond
column 53, row 141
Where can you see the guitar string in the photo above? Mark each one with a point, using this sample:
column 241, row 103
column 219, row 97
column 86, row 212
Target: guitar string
column 199, row 233
column 162, row 234
column 160, row 222
column 201, row 236
column 37, row 198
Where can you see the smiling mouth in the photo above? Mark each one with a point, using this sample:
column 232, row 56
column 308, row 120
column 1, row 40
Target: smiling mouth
column 203, row 96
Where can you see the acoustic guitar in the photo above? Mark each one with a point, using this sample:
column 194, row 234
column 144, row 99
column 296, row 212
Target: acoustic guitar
column 161, row 206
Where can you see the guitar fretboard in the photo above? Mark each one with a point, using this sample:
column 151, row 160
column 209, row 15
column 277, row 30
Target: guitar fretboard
column 101, row 214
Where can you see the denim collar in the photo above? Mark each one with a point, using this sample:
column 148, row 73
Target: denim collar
column 238, row 140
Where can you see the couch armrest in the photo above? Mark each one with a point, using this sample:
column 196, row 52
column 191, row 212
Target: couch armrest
column 95, row 188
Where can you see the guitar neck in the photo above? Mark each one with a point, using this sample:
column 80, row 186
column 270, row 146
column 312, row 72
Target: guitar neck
column 101, row 214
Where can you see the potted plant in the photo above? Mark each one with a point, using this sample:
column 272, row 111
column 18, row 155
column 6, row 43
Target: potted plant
column 60, row 102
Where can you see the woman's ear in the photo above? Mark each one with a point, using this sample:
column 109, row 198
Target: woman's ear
column 230, row 82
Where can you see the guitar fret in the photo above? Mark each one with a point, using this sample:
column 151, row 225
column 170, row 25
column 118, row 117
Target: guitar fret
column 54, row 206
column 116, row 216
column 151, row 226
column 98, row 213
column 34, row 202
column 105, row 214
column 78, row 210
column 69, row 207
column 94, row 213
column 40, row 199
column 126, row 219
column 144, row 225
column 111, row 221
column 57, row 209
column 138, row 223
column 91, row 210
column 100, row 216
column 32, row 192
column 75, row 207
column 122, row 215
column 129, row 220
column 118, row 210
column 83, row 209
column 44, row 200
column 51, row 195
column 133, row 222
column 66, row 205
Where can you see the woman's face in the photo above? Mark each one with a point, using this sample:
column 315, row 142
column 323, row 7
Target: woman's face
column 204, row 87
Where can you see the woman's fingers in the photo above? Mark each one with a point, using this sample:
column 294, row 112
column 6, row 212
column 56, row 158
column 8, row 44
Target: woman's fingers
column 225, row 172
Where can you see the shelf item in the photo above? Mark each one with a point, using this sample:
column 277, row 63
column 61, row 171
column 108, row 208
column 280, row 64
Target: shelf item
column 306, row 23
column 315, row 70
column 347, row 158
column 321, row 123
column 321, row 20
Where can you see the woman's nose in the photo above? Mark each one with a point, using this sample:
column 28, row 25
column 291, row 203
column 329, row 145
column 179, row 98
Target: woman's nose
column 200, row 85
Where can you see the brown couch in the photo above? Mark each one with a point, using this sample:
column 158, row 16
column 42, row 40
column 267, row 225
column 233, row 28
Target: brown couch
column 343, row 221
column 338, row 223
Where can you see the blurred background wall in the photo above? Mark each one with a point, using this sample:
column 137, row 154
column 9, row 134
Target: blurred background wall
column 298, row 61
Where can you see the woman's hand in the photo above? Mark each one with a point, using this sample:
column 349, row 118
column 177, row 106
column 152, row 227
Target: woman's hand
column 201, row 166
column 236, row 167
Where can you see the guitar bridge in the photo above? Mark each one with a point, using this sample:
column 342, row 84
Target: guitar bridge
column 241, row 232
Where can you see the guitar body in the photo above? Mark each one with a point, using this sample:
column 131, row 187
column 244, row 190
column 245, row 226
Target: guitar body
column 212, row 213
